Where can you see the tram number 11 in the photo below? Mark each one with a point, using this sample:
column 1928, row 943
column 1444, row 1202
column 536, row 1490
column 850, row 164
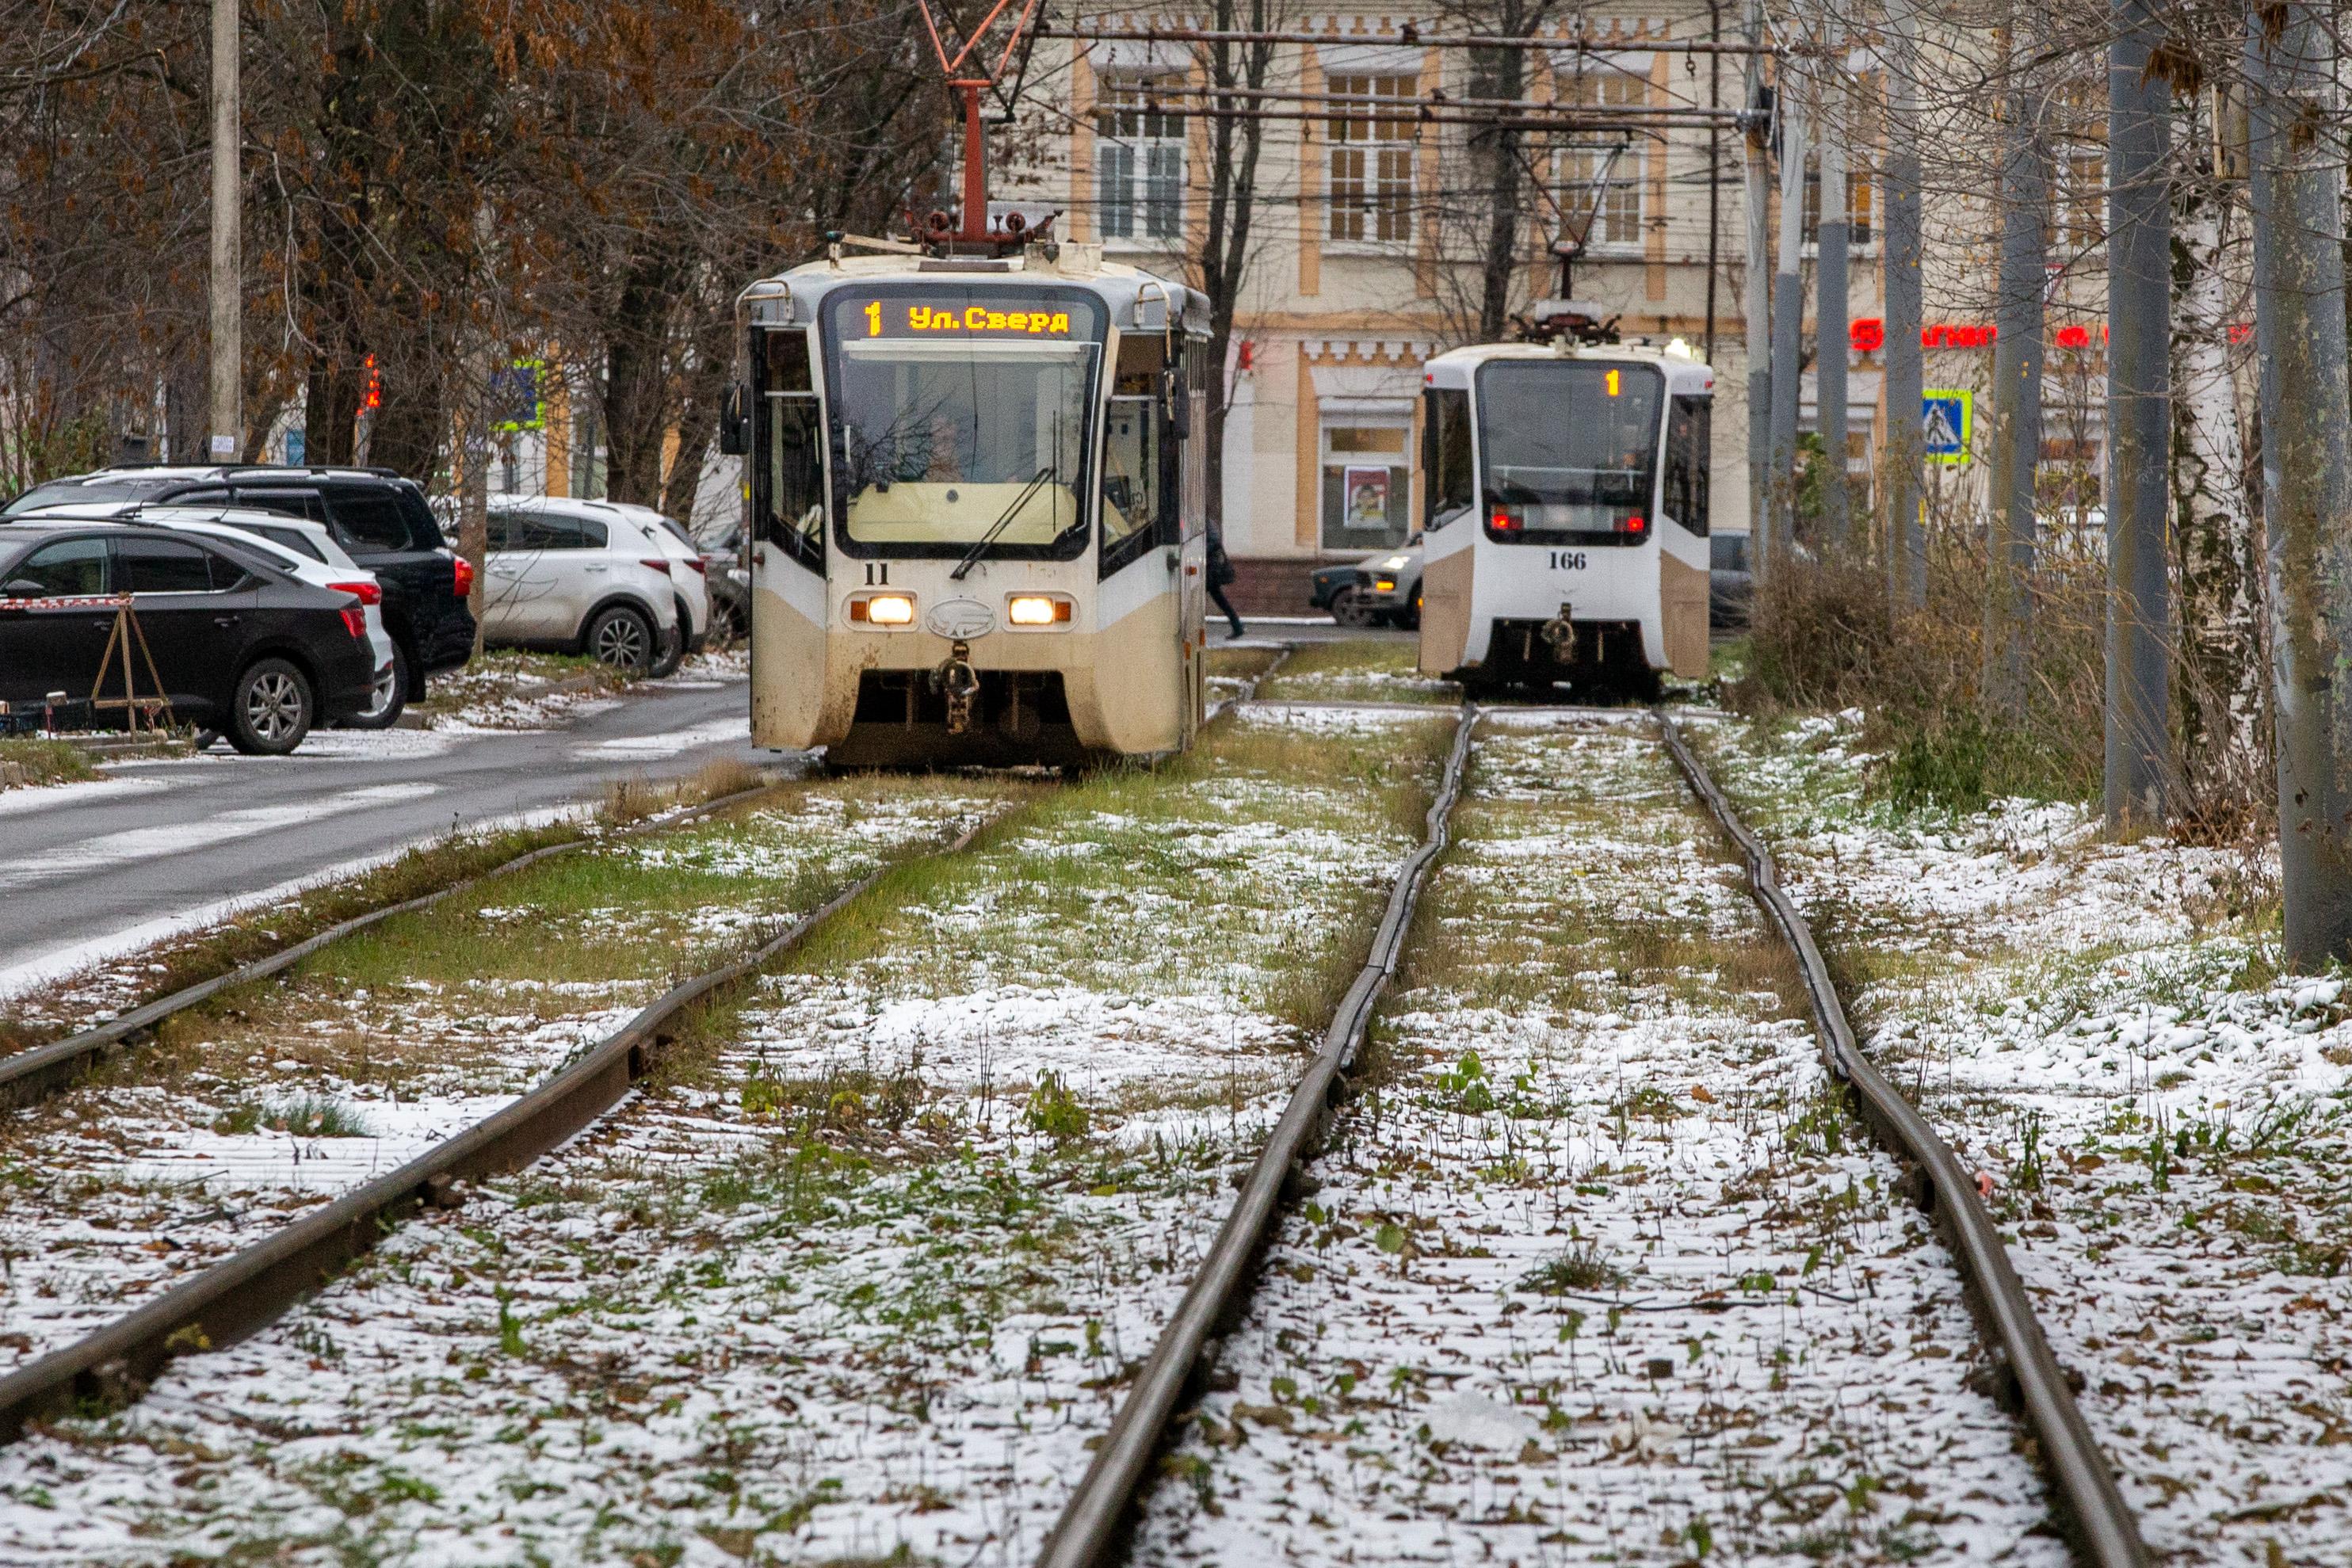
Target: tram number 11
column 1567, row 560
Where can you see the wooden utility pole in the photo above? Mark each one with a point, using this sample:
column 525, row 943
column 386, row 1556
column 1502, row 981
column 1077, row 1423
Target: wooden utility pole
column 228, row 415
column 2297, row 187
column 2011, row 529
column 2139, row 763
column 1906, row 542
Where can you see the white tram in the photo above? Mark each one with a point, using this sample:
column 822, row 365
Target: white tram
column 974, row 506
column 1565, row 515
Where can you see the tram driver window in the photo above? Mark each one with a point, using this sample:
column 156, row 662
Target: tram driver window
column 1445, row 457
column 792, row 471
column 1130, row 470
column 1689, row 451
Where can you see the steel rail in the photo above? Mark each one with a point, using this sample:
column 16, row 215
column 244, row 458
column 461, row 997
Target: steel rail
column 246, row 1291
column 1094, row 1522
column 2092, row 1509
column 30, row 1076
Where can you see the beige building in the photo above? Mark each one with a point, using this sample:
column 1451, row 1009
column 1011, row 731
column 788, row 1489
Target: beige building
column 1368, row 233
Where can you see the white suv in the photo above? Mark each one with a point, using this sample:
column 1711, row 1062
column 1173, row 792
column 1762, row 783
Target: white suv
column 660, row 539
column 561, row 576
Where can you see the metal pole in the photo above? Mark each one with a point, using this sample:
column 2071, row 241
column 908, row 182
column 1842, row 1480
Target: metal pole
column 1756, row 309
column 1906, row 562
column 1714, row 171
column 1830, row 326
column 2307, row 468
column 2140, row 764
column 227, row 418
column 2010, row 528
column 1788, row 321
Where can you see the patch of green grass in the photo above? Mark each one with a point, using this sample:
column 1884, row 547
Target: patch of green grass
column 29, row 760
column 1582, row 1266
column 1356, row 672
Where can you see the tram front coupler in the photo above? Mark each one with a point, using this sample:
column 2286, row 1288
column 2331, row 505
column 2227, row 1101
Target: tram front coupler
column 961, row 683
column 1559, row 631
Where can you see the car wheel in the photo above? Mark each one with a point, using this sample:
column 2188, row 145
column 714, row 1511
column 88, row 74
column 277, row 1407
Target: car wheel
column 726, row 625
column 387, row 698
column 271, row 709
column 1412, row 618
column 621, row 639
column 1348, row 608
column 673, row 651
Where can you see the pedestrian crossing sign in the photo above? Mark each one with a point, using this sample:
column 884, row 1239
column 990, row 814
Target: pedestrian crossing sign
column 1946, row 418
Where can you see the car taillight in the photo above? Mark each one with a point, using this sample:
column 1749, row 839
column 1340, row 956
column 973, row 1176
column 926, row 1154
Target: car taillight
column 355, row 621
column 366, row 593
column 660, row 565
column 698, row 564
column 461, row 581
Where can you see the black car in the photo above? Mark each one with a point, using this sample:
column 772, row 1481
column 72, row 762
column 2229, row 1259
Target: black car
column 1730, row 583
column 237, row 645
column 380, row 517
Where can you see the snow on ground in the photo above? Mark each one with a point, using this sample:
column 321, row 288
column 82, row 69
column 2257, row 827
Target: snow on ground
column 2100, row 1026
column 867, row 1272
column 1597, row 1272
column 264, row 1104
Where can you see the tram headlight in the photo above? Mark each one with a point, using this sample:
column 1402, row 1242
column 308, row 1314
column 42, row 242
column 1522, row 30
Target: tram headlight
column 1037, row 609
column 884, row 609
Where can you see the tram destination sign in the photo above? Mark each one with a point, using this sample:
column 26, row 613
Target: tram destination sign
column 923, row 318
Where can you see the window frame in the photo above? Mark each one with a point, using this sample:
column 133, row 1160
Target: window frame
column 1152, row 145
column 1375, row 203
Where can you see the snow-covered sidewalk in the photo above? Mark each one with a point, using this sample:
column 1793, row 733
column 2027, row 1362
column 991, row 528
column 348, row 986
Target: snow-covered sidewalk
column 2101, row 1028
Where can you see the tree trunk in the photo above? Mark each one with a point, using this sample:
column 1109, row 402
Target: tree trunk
column 2297, row 188
column 2010, row 525
column 1225, row 247
column 636, row 381
column 2138, row 733
column 1499, row 74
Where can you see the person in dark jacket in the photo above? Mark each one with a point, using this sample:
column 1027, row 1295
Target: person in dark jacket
column 1221, row 572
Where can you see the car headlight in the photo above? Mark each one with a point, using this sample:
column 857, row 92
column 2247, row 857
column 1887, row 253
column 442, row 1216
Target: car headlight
column 1037, row 609
column 1396, row 563
column 884, row 609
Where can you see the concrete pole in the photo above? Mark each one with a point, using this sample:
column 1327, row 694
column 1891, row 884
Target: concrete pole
column 1906, row 553
column 1787, row 320
column 2307, row 468
column 2139, row 760
column 1756, row 307
column 2011, row 530
column 227, row 417
column 1831, row 328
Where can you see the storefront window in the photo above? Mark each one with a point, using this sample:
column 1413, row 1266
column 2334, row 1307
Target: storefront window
column 1367, row 485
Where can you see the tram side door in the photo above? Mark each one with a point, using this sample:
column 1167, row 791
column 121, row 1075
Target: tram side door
column 1154, row 549
column 784, row 503
column 1449, row 529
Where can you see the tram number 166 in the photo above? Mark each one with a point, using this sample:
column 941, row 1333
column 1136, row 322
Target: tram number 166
column 1567, row 560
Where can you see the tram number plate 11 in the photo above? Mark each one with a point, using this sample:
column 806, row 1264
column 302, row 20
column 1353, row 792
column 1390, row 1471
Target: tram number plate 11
column 1567, row 560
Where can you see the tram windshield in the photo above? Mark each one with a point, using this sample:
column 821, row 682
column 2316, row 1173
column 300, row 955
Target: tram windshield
column 1569, row 449
column 943, row 441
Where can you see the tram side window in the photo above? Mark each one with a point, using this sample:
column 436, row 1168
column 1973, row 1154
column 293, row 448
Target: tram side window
column 1689, row 453
column 1450, row 487
column 1132, row 471
column 791, row 472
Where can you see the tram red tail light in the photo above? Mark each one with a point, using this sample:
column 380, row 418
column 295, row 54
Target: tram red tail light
column 1635, row 526
column 1506, row 520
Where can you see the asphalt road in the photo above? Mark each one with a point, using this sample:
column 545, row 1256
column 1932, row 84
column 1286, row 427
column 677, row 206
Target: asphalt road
column 99, row 869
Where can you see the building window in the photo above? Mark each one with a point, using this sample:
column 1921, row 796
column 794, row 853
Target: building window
column 2082, row 204
column 1371, row 162
column 1367, row 483
column 1601, row 168
column 1858, row 203
column 1139, row 159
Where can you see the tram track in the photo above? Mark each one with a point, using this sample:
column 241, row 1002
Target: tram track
column 1096, row 1524
column 38, row 1073
column 232, row 1298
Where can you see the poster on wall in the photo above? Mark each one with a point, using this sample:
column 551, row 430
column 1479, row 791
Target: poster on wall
column 1364, row 498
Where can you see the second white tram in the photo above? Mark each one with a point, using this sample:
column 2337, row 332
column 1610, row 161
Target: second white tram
column 975, row 509
column 1565, row 498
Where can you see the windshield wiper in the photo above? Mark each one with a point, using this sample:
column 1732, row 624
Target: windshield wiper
column 979, row 546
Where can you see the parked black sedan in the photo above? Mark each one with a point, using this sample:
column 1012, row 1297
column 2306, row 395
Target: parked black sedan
column 237, row 645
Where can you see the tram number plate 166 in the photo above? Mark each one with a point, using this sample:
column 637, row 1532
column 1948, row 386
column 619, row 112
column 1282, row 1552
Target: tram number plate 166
column 1567, row 560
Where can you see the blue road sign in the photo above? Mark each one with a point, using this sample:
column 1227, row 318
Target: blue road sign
column 1945, row 415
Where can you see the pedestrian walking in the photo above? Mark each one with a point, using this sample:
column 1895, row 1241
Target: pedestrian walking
column 1221, row 572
